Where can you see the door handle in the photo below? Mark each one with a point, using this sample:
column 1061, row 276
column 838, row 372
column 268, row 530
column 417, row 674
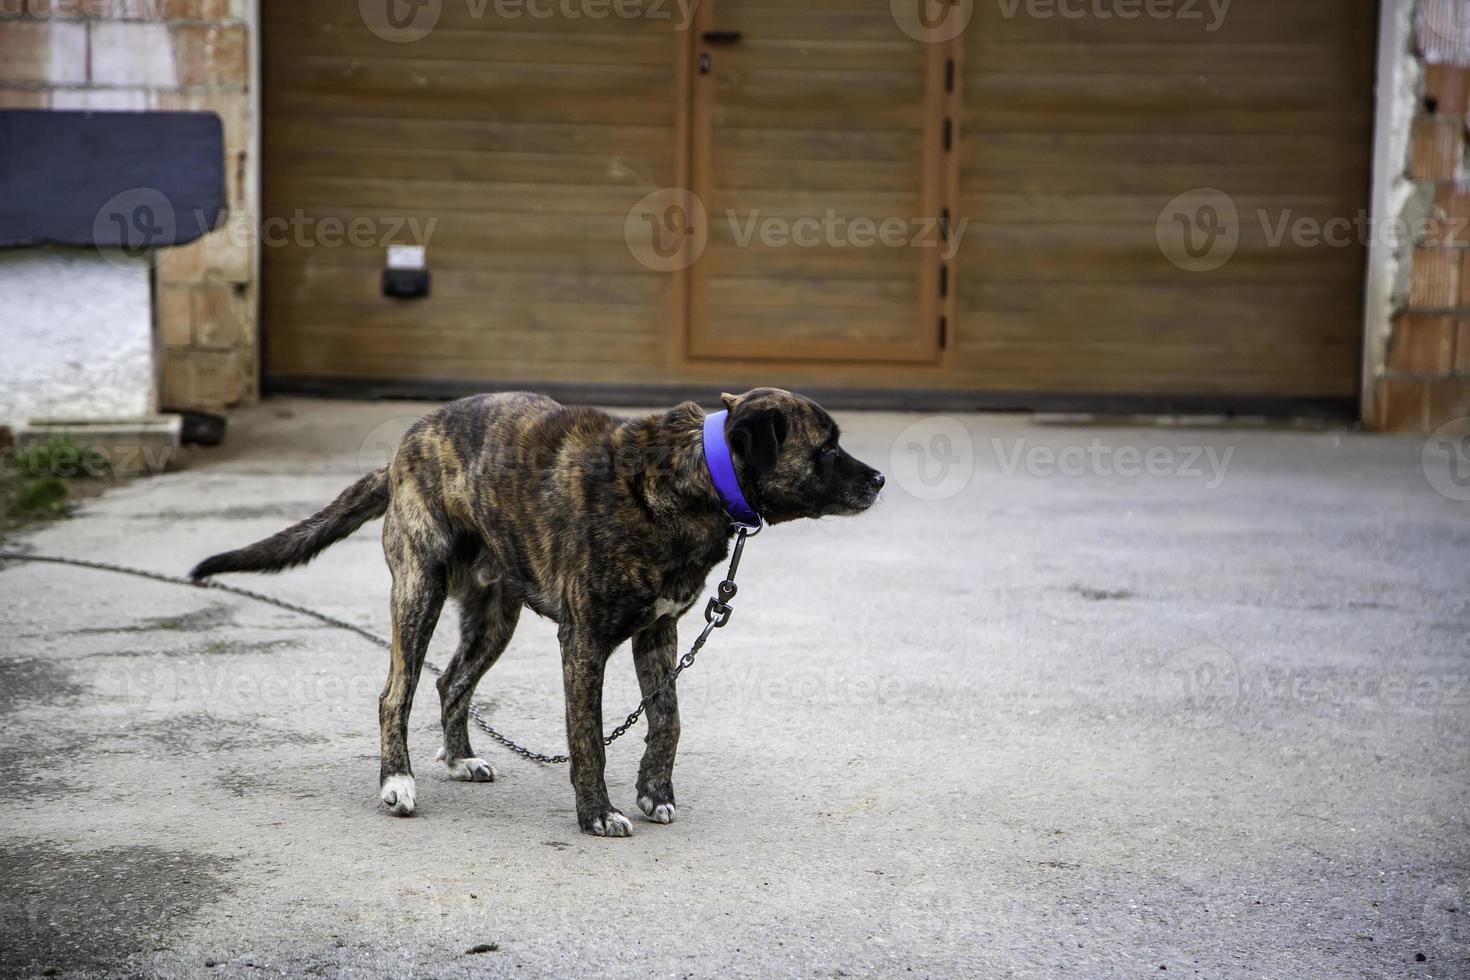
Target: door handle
column 721, row 37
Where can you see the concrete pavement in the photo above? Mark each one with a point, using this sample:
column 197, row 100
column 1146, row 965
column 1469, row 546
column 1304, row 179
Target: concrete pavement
column 1072, row 700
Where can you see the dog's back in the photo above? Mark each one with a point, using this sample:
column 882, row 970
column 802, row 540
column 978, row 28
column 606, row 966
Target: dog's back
column 445, row 458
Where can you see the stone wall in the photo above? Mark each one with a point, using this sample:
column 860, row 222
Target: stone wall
column 130, row 55
column 1419, row 364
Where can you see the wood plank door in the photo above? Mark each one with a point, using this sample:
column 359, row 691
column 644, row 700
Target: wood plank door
column 512, row 146
column 816, row 156
column 1091, row 146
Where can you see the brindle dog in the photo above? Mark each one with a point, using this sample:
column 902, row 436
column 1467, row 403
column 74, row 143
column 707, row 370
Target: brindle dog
column 607, row 526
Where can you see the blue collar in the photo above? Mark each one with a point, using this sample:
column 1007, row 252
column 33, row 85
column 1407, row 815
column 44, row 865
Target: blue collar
column 722, row 472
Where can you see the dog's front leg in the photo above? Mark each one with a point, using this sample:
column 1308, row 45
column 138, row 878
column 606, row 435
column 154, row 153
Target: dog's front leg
column 583, row 659
column 655, row 649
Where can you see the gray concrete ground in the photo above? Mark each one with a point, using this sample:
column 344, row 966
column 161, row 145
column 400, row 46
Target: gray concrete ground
column 1211, row 720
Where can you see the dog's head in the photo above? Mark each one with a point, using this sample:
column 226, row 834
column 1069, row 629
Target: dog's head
column 790, row 463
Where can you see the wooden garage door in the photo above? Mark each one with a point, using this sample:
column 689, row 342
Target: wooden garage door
column 525, row 139
column 816, row 156
column 1094, row 163
column 1079, row 132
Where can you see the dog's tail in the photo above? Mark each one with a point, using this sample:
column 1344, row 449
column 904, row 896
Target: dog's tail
column 300, row 543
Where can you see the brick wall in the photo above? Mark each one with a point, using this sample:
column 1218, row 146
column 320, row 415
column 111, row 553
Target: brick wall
column 1426, row 377
column 129, row 55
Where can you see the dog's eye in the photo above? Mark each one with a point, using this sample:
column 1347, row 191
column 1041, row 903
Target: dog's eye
column 827, row 452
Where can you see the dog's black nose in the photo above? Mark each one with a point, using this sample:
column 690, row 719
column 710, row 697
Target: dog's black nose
column 877, row 480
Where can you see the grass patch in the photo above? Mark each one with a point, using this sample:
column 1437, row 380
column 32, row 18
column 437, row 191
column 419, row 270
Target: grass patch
column 40, row 497
column 43, row 481
column 61, row 458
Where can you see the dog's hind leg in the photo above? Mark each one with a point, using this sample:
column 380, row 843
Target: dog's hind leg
column 486, row 621
column 655, row 649
column 420, row 567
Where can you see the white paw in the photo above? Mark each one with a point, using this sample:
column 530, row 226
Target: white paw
column 397, row 795
column 467, row 770
column 612, row 825
column 663, row 813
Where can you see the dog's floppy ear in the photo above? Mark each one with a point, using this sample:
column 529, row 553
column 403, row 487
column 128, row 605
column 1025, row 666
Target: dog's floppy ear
column 756, row 436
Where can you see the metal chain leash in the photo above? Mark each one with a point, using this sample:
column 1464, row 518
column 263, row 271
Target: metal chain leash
column 716, row 614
